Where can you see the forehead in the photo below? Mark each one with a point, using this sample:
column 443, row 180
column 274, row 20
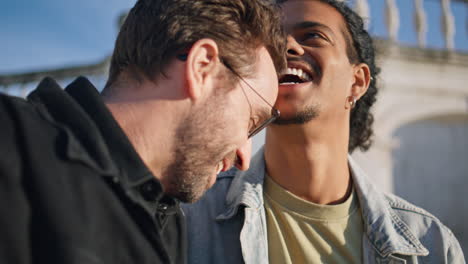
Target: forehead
column 265, row 79
column 299, row 11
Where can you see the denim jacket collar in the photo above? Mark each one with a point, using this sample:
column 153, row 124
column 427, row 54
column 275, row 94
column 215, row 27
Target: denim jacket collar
column 385, row 230
column 246, row 187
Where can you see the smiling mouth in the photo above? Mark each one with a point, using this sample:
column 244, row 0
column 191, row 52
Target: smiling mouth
column 294, row 76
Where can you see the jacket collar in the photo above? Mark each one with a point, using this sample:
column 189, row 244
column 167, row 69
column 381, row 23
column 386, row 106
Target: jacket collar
column 60, row 109
column 385, row 230
column 94, row 137
column 117, row 143
column 246, row 187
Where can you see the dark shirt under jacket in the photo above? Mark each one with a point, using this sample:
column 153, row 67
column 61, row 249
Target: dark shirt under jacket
column 74, row 190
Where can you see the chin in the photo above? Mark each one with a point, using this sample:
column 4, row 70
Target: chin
column 287, row 110
column 299, row 117
column 187, row 197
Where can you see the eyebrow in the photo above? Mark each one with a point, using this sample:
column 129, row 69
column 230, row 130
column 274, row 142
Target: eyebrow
column 308, row 24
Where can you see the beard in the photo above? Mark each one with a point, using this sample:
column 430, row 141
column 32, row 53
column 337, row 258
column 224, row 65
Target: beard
column 197, row 152
column 301, row 117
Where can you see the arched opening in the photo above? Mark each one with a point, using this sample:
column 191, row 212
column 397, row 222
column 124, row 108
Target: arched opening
column 430, row 169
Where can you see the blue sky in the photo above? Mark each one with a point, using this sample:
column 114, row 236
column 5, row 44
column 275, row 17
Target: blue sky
column 39, row 34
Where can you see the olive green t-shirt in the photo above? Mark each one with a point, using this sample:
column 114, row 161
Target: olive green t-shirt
column 303, row 232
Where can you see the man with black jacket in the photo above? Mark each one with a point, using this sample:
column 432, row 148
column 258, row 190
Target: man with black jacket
column 96, row 178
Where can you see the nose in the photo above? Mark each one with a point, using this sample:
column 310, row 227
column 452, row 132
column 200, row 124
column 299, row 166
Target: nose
column 243, row 155
column 294, row 48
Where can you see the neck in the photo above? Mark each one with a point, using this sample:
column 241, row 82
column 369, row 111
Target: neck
column 310, row 160
column 150, row 128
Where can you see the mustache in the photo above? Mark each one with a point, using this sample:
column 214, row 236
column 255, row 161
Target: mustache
column 310, row 63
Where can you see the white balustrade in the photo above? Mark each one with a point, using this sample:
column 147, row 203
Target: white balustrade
column 420, row 22
column 362, row 8
column 420, row 19
column 392, row 19
column 448, row 24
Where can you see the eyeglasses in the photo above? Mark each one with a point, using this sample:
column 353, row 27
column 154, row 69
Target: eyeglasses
column 275, row 113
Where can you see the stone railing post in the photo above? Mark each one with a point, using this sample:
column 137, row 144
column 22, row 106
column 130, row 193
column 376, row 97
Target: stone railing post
column 448, row 24
column 362, row 8
column 420, row 22
column 392, row 19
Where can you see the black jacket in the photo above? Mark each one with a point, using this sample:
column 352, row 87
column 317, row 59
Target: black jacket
column 73, row 189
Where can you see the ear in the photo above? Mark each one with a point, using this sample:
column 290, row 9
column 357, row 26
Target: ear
column 361, row 80
column 201, row 68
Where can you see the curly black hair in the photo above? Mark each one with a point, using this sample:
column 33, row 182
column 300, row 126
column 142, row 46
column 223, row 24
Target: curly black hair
column 360, row 49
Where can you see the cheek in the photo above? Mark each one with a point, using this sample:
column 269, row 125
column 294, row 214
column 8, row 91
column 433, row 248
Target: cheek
column 338, row 74
column 235, row 122
column 272, row 91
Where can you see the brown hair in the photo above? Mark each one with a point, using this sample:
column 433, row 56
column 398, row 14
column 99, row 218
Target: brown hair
column 155, row 31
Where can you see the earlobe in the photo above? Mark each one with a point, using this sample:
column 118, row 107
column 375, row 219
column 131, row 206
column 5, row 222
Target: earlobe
column 361, row 80
column 201, row 63
column 351, row 102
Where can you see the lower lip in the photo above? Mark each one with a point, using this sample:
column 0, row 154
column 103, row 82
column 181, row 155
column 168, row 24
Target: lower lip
column 292, row 87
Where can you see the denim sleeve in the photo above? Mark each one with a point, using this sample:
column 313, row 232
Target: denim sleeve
column 455, row 253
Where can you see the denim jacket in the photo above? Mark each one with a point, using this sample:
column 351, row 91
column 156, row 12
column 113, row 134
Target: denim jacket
column 228, row 224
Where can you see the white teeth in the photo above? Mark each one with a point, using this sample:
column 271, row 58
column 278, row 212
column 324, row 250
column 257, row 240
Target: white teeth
column 299, row 73
column 306, row 77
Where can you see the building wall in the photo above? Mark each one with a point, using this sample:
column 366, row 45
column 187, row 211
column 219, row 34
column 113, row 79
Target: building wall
column 430, row 169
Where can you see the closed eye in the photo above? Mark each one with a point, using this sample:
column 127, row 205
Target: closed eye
column 312, row 35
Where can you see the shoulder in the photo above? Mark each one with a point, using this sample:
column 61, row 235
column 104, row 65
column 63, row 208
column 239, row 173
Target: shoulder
column 13, row 106
column 15, row 115
column 10, row 109
column 7, row 119
column 21, row 116
column 11, row 160
column 432, row 233
column 24, row 124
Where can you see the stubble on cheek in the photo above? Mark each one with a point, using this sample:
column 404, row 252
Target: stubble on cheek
column 299, row 118
column 199, row 148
